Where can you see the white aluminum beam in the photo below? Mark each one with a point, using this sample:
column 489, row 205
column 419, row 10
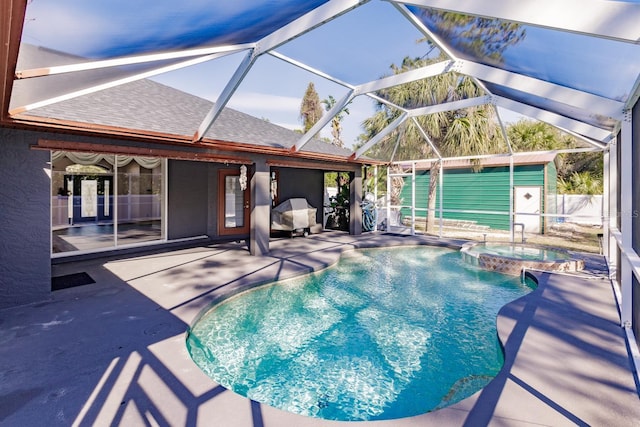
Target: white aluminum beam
column 310, row 69
column 634, row 95
column 426, row 137
column 423, row 29
column 503, row 129
column 282, row 35
column 226, row 94
column 596, row 144
column 306, row 23
column 385, row 102
column 582, row 100
column 324, row 120
column 86, row 91
column 514, row 154
column 380, row 136
column 450, row 106
column 130, row 60
column 302, row 25
column 626, row 220
column 613, row 260
column 406, row 77
column 554, row 119
column 606, row 200
column 607, row 19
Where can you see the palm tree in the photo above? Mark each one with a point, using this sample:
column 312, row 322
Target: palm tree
column 529, row 135
column 336, row 127
column 580, row 183
column 454, row 133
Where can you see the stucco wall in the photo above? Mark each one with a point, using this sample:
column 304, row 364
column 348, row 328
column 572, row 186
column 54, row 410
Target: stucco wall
column 187, row 199
column 25, row 266
column 307, row 183
column 25, row 211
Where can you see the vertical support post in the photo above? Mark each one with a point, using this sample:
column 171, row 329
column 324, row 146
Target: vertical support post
column 165, row 199
column 626, row 217
column 375, row 191
column 606, row 207
column 511, row 191
column 388, row 198
column 413, row 198
column 260, row 209
column 612, row 223
column 355, row 202
column 441, row 194
column 116, row 205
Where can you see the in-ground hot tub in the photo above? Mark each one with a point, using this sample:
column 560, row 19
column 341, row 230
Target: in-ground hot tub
column 512, row 258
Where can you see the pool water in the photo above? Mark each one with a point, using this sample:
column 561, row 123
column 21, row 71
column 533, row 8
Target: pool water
column 384, row 334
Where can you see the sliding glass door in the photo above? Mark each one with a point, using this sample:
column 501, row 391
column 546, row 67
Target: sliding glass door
column 139, row 200
column 103, row 201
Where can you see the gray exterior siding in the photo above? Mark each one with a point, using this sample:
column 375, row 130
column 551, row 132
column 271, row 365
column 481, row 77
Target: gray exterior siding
column 308, row 183
column 25, row 218
column 25, row 207
column 187, row 199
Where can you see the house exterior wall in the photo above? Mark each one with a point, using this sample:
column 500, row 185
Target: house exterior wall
column 187, row 200
column 463, row 189
column 307, row 183
column 25, row 207
column 25, row 218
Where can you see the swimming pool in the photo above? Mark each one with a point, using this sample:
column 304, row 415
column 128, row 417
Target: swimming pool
column 383, row 334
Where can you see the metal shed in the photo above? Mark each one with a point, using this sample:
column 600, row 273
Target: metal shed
column 488, row 197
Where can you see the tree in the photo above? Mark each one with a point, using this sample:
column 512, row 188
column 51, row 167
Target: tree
column 529, row 135
column 310, row 108
column 483, row 38
column 580, row 183
column 454, row 133
column 336, row 127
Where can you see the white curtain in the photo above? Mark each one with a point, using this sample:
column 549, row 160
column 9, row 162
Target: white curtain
column 95, row 158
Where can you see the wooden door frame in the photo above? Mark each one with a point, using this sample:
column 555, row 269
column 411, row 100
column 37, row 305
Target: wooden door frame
column 246, row 228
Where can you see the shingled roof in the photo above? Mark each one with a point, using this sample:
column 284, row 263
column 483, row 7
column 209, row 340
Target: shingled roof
column 150, row 106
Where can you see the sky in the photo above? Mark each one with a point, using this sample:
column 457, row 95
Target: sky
column 273, row 89
column 358, row 47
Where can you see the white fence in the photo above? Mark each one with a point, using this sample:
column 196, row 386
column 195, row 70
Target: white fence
column 584, row 209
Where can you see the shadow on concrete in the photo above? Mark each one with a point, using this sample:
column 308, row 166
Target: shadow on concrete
column 114, row 353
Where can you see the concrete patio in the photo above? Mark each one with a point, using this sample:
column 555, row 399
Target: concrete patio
column 113, row 352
